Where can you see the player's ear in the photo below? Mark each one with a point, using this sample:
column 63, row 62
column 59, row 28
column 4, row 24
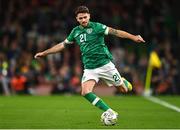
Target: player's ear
column 77, row 18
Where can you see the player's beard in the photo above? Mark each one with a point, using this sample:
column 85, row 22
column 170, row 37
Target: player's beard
column 84, row 24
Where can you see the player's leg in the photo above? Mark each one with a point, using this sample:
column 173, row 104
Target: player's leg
column 125, row 86
column 112, row 77
column 87, row 88
column 118, row 81
column 87, row 92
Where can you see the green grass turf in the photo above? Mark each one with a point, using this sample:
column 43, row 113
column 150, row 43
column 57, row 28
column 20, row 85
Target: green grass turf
column 75, row 112
column 174, row 100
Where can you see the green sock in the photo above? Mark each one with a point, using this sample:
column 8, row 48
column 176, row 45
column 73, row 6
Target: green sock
column 96, row 101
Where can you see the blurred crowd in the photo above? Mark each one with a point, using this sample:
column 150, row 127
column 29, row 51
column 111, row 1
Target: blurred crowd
column 30, row 26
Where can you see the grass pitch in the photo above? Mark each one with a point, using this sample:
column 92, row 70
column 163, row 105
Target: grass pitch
column 74, row 112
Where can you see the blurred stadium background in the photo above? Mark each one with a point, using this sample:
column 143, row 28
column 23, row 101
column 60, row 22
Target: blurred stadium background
column 30, row 26
column 27, row 27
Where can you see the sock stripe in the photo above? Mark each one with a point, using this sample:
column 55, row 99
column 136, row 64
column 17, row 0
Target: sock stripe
column 95, row 101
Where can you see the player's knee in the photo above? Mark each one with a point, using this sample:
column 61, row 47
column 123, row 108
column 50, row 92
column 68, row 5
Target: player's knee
column 87, row 87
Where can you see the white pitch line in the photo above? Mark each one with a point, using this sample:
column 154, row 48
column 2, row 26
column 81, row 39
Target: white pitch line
column 163, row 103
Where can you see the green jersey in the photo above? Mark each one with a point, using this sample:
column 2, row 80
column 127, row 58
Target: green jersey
column 94, row 52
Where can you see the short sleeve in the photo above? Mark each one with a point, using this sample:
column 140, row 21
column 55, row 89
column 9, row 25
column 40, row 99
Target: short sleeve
column 101, row 28
column 70, row 38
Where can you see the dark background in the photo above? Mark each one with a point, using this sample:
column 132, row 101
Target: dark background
column 27, row 27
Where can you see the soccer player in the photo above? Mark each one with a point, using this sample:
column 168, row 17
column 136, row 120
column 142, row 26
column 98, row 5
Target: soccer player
column 95, row 56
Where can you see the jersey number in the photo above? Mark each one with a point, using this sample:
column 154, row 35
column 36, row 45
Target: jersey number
column 83, row 37
column 116, row 77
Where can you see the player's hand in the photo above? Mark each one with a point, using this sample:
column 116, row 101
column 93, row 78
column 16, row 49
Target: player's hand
column 39, row 55
column 138, row 39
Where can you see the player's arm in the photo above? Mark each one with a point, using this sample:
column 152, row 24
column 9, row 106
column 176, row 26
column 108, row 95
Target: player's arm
column 124, row 34
column 56, row 48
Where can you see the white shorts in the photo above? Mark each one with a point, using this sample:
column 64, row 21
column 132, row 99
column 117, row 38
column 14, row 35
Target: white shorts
column 108, row 73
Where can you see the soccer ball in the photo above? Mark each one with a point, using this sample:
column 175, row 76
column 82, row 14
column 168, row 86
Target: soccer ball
column 109, row 118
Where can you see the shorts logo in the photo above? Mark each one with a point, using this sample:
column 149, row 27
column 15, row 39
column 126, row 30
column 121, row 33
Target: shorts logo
column 89, row 30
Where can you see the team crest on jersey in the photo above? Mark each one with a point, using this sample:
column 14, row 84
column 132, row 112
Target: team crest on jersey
column 89, row 30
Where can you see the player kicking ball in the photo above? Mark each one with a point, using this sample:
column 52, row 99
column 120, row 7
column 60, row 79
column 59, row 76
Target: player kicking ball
column 96, row 59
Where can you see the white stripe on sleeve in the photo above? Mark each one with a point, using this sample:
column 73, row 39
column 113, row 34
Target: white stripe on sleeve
column 106, row 31
column 68, row 42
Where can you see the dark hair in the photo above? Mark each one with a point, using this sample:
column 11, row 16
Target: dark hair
column 81, row 9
